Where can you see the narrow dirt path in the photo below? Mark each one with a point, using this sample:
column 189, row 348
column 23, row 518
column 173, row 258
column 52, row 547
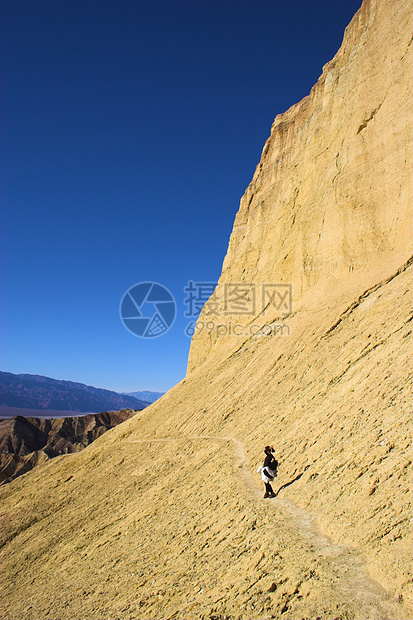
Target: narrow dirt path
column 352, row 578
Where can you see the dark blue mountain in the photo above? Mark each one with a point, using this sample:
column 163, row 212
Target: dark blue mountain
column 38, row 392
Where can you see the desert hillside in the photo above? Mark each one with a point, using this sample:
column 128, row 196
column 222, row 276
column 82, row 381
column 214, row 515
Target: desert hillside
column 163, row 516
column 28, row 441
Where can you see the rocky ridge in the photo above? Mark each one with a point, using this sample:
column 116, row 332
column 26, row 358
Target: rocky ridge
column 330, row 200
column 26, row 442
column 162, row 517
column 38, row 392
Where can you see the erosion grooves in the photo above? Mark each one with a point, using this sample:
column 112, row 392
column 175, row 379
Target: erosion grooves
column 353, row 585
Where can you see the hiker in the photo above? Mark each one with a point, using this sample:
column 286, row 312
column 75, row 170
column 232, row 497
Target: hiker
column 268, row 471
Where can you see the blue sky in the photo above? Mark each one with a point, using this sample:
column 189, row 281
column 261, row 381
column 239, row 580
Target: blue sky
column 129, row 131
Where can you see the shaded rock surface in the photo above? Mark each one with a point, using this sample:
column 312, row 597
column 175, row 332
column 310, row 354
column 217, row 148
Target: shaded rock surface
column 163, row 517
column 26, row 442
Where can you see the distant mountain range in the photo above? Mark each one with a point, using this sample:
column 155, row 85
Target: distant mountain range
column 149, row 397
column 43, row 393
column 39, row 418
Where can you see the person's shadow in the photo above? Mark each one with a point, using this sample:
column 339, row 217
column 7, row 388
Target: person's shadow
column 287, row 484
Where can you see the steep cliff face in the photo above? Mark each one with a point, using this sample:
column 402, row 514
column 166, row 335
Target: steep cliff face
column 163, row 517
column 332, row 192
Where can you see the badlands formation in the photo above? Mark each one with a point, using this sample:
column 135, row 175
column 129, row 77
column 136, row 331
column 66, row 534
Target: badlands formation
column 163, row 516
column 25, row 442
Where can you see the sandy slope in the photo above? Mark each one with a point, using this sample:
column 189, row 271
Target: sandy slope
column 158, row 518
column 228, row 554
column 154, row 520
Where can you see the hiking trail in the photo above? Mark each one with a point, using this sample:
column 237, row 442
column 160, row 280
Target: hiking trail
column 351, row 576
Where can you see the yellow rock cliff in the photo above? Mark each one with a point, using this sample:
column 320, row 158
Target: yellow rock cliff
column 163, row 516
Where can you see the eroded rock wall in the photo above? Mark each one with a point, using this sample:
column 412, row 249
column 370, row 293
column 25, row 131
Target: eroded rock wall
column 156, row 519
column 331, row 194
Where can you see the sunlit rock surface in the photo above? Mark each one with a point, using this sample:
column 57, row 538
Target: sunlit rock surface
column 163, row 516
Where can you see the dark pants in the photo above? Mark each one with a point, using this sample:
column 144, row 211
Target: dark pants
column 268, row 488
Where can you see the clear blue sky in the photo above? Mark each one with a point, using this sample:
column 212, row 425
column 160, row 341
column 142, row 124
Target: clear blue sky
column 130, row 130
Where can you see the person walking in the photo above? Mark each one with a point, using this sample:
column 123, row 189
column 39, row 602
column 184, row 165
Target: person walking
column 268, row 470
